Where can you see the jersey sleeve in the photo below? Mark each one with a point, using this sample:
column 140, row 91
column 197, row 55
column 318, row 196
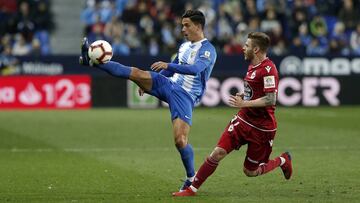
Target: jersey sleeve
column 270, row 78
column 206, row 55
column 187, row 69
column 204, row 59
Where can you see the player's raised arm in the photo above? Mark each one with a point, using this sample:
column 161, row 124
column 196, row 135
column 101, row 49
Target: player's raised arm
column 205, row 59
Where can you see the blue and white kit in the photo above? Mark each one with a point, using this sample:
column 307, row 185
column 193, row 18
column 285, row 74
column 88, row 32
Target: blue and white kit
column 183, row 83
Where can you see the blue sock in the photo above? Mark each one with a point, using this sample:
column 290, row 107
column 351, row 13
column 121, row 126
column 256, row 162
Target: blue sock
column 187, row 157
column 116, row 69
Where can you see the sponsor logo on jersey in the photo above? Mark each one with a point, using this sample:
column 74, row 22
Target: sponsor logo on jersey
column 269, row 81
column 206, row 55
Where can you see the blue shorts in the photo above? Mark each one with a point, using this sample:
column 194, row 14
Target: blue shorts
column 180, row 103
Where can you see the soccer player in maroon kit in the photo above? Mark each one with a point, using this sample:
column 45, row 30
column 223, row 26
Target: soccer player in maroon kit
column 254, row 124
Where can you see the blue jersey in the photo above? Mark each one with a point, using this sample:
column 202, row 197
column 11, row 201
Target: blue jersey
column 190, row 53
column 183, row 82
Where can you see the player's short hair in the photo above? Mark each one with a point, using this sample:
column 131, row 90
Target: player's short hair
column 261, row 40
column 195, row 16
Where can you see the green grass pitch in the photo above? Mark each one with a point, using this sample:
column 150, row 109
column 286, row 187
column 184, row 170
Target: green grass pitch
column 123, row 155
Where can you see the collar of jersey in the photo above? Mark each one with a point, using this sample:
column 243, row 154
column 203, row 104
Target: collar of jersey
column 198, row 42
column 260, row 63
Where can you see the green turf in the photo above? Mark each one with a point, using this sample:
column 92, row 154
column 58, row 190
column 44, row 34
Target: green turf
column 121, row 155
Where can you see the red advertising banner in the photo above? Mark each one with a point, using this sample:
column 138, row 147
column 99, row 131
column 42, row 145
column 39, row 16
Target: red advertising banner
column 63, row 92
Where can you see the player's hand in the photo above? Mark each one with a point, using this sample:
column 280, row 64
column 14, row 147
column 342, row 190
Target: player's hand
column 141, row 92
column 240, row 95
column 158, row 66
column 237, row 100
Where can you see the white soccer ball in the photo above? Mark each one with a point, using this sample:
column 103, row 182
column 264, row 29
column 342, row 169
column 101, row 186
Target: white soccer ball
column 100, row 52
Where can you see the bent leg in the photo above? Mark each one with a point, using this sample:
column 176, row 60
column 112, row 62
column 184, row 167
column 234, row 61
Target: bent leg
column 142, row 78
column 263, row 168
column 257, row 157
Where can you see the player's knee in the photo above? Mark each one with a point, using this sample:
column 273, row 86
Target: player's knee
column 138, row 74
column 180, row 141
column 250, row 173
column 218, row 154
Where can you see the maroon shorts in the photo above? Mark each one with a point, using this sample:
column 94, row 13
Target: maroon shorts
column 259, row 142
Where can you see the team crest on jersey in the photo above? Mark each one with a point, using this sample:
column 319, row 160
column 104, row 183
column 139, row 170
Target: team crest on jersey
column 248, row 92
column 193, row 53
column 268, row 68
column 253, row 74
column 269, row 81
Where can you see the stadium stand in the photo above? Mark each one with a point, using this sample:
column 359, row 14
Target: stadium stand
column 25, row 27
column 298, row 26
column 152, row 27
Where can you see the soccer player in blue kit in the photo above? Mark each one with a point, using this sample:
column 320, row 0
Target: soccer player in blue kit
column 180, row 83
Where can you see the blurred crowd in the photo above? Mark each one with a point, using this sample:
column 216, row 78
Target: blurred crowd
column 24, row 30
column 312, row 27
column 25, row 27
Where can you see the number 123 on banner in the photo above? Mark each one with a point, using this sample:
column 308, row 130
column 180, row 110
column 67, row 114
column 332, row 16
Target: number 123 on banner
column 66, row 92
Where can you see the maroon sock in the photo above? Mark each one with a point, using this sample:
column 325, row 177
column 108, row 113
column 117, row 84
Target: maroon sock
column 270, row 165
column 206, row 169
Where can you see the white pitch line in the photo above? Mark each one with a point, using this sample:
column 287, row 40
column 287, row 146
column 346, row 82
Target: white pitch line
column 159, row 149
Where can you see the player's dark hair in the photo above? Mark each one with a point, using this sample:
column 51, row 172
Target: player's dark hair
column 195, row 16
column 261, row 40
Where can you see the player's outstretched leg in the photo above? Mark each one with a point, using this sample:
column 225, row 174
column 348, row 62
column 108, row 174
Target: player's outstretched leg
column 142, row 78
column 113, row 68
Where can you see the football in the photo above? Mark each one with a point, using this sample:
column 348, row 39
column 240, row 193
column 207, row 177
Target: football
column 100, row 52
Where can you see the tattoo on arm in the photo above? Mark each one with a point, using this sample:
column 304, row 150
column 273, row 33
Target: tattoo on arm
column 270, row 98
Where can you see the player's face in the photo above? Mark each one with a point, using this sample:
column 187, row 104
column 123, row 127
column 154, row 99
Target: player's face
column 248, row 49
column 189, row 29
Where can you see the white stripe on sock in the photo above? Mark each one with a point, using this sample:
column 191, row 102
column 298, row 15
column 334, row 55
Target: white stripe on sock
column 193, row 188
column 282, row 159
column 191, row 178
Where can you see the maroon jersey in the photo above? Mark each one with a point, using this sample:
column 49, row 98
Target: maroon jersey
column 260, row 79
